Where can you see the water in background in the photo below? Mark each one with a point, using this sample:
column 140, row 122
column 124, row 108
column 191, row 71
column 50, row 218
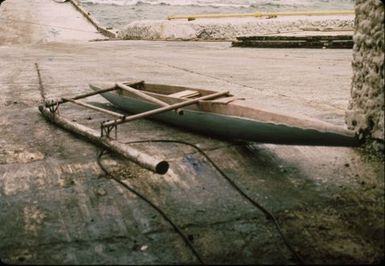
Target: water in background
column 119, row 13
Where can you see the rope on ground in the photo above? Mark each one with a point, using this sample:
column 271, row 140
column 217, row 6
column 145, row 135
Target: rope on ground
column 41, row 86
column 268, row 214
column 176, row 228
column 132, row 190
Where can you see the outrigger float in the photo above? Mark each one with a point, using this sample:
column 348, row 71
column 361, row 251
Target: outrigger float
column 217, row 114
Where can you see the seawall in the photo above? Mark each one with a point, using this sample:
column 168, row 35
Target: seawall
column 227, row 29
column 365, row 113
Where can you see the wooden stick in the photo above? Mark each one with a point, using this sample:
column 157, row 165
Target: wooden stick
column 156, row 165
column 146, row 96
column 141, row 94
column 163, row 109
column 85, row 95
column 95, row 108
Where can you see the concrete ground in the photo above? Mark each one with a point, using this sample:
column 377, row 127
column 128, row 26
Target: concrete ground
column 57, row 207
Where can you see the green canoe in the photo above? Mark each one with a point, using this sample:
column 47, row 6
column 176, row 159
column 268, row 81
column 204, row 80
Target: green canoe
column 227, row 117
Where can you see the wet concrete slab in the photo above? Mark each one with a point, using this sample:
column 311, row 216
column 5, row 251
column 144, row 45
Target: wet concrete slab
column 58, row 207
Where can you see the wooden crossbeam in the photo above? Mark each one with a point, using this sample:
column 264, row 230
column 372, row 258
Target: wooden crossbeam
column 141, row 94
column 145, row 96
column 95, row 108
column 85, row 95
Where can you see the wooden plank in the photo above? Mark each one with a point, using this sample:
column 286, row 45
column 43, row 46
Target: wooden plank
column 341, row 44
column 149, row 162
column 287, row 37
column 227, row 100
column 185, row 94
column 284, row 41
column 164, row 109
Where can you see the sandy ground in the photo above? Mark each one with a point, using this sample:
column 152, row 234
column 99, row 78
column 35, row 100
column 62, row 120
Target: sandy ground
column 56, row 206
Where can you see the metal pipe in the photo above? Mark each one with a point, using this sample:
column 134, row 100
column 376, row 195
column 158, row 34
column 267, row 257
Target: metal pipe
column 266, row 14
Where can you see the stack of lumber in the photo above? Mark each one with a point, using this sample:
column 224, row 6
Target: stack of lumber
column 282, row 41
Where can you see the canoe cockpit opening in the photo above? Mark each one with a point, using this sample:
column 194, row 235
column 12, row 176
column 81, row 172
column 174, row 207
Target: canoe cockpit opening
column 169, row 91
column 138, row 85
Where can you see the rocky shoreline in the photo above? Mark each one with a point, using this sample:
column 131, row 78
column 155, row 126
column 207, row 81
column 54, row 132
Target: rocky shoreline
column 227, row 29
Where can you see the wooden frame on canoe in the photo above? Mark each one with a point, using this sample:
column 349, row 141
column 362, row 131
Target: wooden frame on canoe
column 49, row 110
column 206, row 111
column 224, row 116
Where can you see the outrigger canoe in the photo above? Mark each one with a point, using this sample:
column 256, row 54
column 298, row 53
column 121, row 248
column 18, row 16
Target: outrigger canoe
column 225, row 116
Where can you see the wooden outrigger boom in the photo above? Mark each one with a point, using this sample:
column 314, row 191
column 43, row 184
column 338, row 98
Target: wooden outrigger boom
column 48, row 109
column 149, row 162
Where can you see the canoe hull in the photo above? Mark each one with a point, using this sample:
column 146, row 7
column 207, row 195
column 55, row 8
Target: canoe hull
column 234, row 127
